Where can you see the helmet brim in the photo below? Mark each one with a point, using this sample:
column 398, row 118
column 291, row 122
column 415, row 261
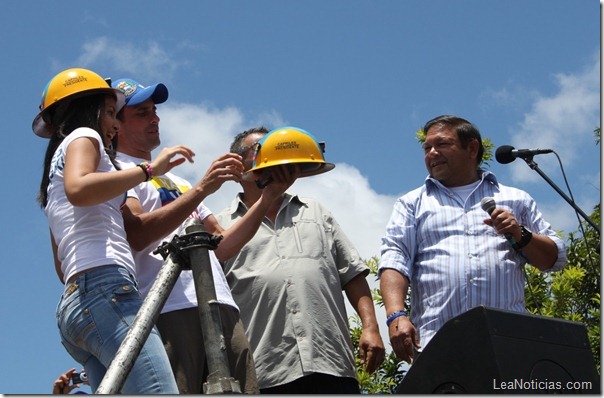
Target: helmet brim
column 308, row 169
column 40, row 127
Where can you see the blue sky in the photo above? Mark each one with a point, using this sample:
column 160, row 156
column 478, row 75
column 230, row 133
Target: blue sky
column 361, row 75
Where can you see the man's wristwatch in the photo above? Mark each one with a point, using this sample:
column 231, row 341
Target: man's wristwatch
column 526, row 236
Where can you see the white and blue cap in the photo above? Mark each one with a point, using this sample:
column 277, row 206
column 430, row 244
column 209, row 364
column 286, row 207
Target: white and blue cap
column 136, row 93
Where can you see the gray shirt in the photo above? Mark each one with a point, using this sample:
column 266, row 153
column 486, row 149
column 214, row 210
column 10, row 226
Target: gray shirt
column 287, row 281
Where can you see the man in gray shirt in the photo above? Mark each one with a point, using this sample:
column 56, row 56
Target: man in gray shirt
column 288, row 281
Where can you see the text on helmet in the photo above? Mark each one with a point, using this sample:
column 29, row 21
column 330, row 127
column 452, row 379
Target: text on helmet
column 74, row 80
column 287, row 145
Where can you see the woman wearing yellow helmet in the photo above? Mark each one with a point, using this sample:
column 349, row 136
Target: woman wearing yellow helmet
column 81, row 194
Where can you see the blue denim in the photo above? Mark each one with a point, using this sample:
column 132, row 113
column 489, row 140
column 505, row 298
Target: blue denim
column 94, row 318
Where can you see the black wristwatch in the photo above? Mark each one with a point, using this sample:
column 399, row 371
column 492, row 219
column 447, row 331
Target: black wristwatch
column 526, row 236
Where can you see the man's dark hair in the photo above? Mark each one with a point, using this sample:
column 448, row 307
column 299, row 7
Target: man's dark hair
column 466, row 131
column 237, row 147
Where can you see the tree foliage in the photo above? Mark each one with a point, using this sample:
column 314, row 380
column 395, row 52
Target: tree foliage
column 386, row 379
column 573, row 293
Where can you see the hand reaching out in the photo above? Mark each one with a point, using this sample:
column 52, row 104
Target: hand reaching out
column 227, row 167
column 164, row 163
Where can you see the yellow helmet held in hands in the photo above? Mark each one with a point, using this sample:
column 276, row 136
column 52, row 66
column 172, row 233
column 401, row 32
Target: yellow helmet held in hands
column 291, row 145
column 67, row 85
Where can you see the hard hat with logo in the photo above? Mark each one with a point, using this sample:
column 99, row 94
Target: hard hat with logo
column 67, row 85
column 291, row 145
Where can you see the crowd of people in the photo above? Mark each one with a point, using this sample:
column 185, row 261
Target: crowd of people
column 283, row 261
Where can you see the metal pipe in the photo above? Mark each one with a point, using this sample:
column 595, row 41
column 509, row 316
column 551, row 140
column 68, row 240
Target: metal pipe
column 190, row 250
column 137, row 335
column 219, row 380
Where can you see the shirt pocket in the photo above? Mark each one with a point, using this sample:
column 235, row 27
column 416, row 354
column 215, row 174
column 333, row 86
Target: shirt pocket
column 306, row 239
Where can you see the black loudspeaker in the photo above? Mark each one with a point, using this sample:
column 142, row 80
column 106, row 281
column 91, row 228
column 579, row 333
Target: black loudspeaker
column 490, row 351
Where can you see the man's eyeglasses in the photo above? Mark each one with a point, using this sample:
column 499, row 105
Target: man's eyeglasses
column 244, row 149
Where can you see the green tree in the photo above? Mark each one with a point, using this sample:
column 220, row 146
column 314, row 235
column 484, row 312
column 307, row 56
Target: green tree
column 573, row 293
column 386, row 379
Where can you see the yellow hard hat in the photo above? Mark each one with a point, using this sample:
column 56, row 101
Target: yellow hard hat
column 67, row 85
column 291, row 145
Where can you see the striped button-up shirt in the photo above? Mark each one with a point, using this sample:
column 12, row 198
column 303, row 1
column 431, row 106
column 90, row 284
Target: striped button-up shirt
column 454, row 261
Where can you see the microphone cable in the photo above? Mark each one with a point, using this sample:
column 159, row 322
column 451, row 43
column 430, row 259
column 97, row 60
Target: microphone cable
column 588, row 247
column 581, row 226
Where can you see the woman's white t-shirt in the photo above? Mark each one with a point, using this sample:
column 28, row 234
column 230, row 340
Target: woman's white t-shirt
column 86, row 236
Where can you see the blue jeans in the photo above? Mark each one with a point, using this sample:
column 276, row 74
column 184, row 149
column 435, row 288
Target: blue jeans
column 94, row 315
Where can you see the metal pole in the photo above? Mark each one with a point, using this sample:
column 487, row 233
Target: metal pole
column 137, row 335
column 533, row 165
column 196, row 243
column 219, row 380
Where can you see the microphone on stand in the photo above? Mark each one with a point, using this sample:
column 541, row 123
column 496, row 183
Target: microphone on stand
column 507, row 154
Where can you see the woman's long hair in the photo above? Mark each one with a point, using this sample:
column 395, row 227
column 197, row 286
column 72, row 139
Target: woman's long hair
column 84, row 111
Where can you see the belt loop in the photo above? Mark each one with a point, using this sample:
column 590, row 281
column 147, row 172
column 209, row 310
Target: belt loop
column 82, row 282
column 78, row 283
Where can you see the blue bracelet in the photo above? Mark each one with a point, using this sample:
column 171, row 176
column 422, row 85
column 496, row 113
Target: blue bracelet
column 394, row 316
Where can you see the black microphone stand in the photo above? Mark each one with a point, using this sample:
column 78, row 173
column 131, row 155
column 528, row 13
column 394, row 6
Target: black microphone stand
column 534, row 166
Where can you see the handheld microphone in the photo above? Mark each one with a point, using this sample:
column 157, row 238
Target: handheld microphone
column 488, row 204
column 507, row 154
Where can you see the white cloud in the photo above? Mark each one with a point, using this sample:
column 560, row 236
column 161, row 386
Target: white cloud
column 147, row 63
column 207, row 131
column 562, row 216
column 563, row 122
column 512, row 97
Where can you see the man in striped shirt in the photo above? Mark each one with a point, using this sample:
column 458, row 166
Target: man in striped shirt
column 453, row 254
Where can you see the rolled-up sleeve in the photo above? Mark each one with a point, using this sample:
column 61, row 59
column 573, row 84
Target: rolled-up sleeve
column 398, row 244
column 535, row 222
